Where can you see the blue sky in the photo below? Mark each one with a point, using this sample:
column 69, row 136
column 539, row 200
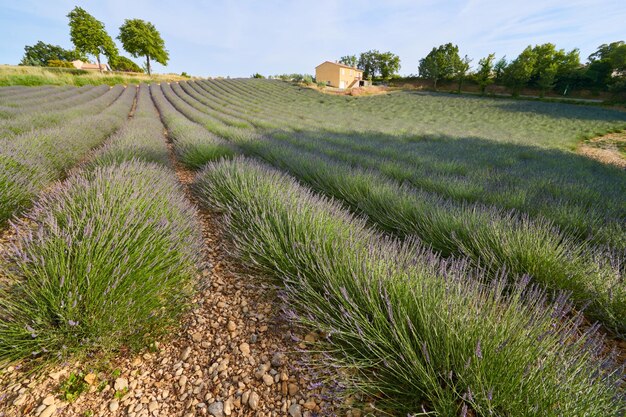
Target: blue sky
column 238, row 38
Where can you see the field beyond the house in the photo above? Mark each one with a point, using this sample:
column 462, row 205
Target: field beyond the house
column 247, row 246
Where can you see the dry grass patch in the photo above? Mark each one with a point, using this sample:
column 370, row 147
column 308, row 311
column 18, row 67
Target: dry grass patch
column 609, row 149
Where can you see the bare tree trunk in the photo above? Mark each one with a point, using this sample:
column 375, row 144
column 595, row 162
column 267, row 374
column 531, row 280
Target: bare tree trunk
column 435, row 84
column 98, row 61
column 148, row 63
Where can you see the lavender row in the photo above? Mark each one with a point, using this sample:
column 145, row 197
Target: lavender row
column 581, row 196
column 141, row 138
column 193, row 144
column 411, row 333
column 88, row 103
column 31, row 161
column 54, row 101
column 108, row 258
column 15, row 94
column 485, row 236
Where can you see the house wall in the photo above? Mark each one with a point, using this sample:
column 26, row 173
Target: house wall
column 335, row 74
column 327, row 73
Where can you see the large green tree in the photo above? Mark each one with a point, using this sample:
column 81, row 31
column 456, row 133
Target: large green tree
column 441, row 63
column 541, row 66
column 89, row 36
column 388, row 64
column 41, row 53
column 368, row 62
column 498, row 69
column 607, row 67
column 374, row 63
column 141, row 38
column 550, row 64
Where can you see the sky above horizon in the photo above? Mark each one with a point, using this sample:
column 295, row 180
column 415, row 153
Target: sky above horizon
column 239, row 38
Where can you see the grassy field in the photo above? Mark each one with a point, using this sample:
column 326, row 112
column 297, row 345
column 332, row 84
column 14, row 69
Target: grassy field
column 456, row 251
column 11, row 75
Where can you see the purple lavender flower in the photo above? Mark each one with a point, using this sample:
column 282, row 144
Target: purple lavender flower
column 479, row 352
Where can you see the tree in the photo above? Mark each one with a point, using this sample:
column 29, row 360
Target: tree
column 368, row 62
column 547, row 77
column 599, row 73
column 551, row 64
column 350, row 60
column 441, row 63
column 41, row 53
column 607, row 67
column 460, row 70
column 485, row 73
column 140, row 38
column 517, row 74
column 89, row 36
column 388, row 64
column 121, row 63
column 498, row 69
column 613, row 53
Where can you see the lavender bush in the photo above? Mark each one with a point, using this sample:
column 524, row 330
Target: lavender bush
column 104, row 261
column 415, row 334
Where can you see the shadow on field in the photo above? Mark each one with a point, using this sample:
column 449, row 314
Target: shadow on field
column 551, row 109
column 577, row 193
column 564, row 110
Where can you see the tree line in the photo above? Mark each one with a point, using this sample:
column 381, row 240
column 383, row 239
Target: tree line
column 543, row 67
column 90, row 38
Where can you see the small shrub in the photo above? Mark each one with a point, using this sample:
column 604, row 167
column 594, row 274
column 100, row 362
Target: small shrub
column 73, row 387
column 60, row 64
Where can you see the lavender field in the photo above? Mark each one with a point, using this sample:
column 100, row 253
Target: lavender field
column 453, row 255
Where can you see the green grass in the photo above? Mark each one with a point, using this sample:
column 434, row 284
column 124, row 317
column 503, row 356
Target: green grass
column 417, row 334
column 40, row 76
